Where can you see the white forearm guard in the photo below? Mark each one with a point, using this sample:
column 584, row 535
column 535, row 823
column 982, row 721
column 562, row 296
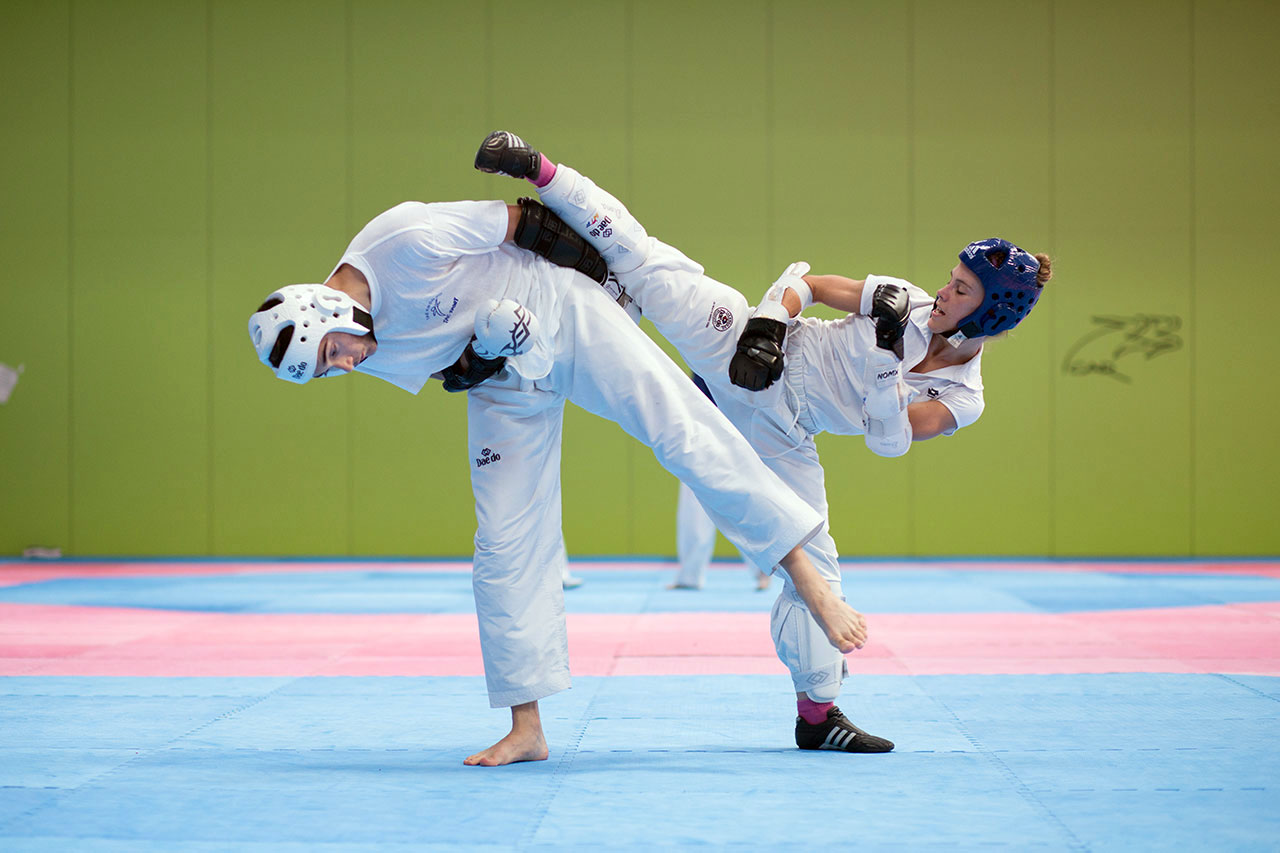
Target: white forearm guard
column 884, row 402
column 792, row 277
column 890, row 436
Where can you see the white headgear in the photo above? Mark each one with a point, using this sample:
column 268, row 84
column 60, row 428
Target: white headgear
column 306, row 312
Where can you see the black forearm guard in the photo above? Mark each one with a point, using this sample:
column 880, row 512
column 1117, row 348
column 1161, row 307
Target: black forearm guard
column 542, row 232
column 470, row 370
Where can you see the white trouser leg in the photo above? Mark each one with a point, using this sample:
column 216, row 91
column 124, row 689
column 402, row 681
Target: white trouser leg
column 817, row 668
column 695, row 539
column 701, row 317
column 617, row 372
column 514, row 449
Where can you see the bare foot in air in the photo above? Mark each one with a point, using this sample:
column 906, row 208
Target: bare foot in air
column 846, row 628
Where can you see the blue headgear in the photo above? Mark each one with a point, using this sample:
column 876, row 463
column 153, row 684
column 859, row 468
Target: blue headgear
column 1010, row 289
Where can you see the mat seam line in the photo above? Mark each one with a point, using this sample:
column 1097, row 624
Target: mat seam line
column 563, row 766
column 1028, row 796
column 1228, row 678
column 63, row 794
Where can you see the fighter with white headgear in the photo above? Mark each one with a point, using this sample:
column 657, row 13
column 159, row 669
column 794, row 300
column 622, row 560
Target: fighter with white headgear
column 510, row 305
column 903, row 366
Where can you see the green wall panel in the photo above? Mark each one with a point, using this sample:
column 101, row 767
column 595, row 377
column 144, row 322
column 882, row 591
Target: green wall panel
column 578, row 111
column 140, row 444
column 167, row 165
column 1237, row 214
column 418, row 100
column 698, row 170
column 1122, row 208
column 35, row 495
column 982, row 168
column 279, row 199
column 840, row 200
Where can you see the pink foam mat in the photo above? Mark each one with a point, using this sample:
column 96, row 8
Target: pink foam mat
column 12, row 574
column 92, row 641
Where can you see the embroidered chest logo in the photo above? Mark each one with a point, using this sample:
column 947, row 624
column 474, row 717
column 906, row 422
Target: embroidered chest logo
column 434, row 310
column 934, row 393
column 720, row 319
column 487, row 457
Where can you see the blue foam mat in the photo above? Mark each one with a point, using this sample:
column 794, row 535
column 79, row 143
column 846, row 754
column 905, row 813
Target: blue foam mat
column 1063, row 762
column 643, row 591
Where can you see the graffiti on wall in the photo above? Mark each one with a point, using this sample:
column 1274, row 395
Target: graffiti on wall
column 1115, row 344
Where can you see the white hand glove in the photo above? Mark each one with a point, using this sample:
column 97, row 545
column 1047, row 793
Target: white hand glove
column 792, row 277
column 504, row 329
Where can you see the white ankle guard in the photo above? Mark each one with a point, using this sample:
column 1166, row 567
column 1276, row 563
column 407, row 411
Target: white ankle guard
column 817, row 667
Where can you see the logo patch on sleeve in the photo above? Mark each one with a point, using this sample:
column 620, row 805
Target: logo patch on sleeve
column 721, row 318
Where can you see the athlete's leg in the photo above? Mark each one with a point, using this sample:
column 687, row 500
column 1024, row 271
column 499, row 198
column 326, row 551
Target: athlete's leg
column 695, row 540
column 816, row 668
column 514, row 454
column 800, row 639
column 622, row 375
column 701, row 317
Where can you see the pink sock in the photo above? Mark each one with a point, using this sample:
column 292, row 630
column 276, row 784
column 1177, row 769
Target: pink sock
column 546, row 171
column 813, row 712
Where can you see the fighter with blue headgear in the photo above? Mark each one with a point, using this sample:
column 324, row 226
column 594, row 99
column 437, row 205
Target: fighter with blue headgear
column 885, row 371
column 1010, row 288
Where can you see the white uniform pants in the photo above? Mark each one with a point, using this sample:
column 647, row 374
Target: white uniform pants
column 703, row 319
column 689, row 308
column 696, row 541
column 606, row 365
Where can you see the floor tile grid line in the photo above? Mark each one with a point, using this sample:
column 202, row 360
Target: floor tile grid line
column 1255, row 691
column 141, row 754
column 564, row 765
column 1021, row 787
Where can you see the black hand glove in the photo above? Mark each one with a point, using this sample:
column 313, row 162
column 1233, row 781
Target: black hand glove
column 758, row 362
column 889, row 308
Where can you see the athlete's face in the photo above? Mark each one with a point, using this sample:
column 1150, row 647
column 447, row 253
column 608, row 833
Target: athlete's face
column 958, row 298
column 340, row 352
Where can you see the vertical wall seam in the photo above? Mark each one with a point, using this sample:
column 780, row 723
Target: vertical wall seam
column 912, row 508
column 71, row 277
column 1192, row 544
column 628, row 157
column 1052, row 455
column 211, row 441
column 771, row 140
column 348, row 212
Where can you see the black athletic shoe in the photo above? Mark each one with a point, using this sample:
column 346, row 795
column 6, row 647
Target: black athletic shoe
column 504, row 153
column 836, row 732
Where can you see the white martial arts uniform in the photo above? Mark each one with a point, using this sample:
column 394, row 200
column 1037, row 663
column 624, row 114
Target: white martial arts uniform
column 821, row 388
column 429, row 266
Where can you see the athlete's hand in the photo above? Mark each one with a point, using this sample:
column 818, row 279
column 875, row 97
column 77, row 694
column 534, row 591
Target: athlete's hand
column 889, row 308
column 758, row 362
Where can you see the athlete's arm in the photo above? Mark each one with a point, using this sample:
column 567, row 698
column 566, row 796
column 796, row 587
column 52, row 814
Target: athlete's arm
column 929, row 419
column 836, row 291
column 513, row 219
